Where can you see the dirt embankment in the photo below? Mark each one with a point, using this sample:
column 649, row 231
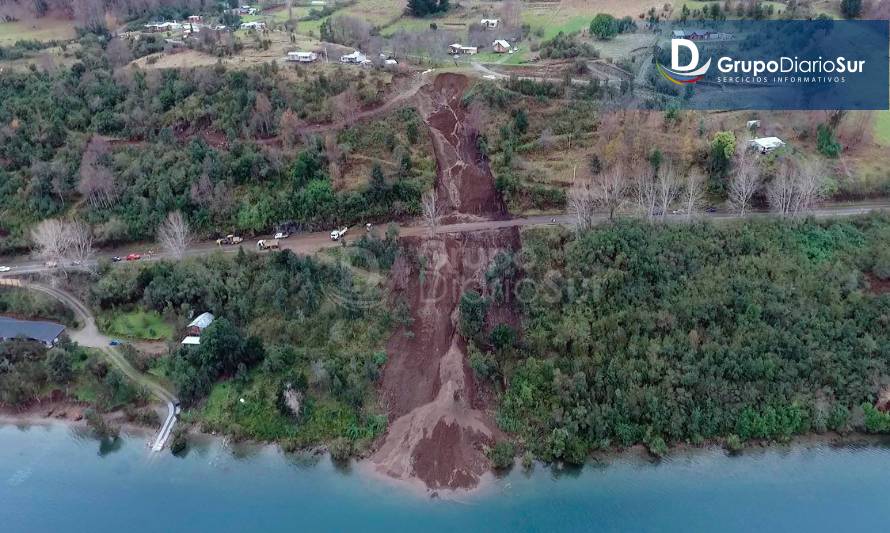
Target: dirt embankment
column 439, row 425
column 464, row 184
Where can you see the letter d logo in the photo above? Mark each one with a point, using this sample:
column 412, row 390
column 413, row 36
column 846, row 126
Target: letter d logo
column 688, row 69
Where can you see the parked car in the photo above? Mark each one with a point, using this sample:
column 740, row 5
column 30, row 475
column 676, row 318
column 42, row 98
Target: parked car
column 711, row 209
column 281, row 235
column 50, row 264
column 5, row 269
column 115, row 259
column 267, row 244
column 134, row 257
column 337, row 233
column 229, row 239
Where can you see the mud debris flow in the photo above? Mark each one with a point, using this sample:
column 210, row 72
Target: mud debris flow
column 439, row 423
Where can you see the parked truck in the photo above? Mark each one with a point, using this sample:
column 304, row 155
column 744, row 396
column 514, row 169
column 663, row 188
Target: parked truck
column 268, row 244
column 337, row 233
column 229, row 239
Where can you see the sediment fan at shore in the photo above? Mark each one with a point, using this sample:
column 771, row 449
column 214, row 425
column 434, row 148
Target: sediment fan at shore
column 440, row 430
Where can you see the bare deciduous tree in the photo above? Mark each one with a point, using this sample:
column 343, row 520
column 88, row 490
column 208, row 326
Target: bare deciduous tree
column 431, row 210
column 64, row 242
column 49, row 239
column 745, row 182
column 345, row 105
column 646, row 190
column 262, row 115
column 810, row 185
column 289, row 128
column 79, row 243
column 780, row 192
column 667, row 188
column 609, row 189
column 174, row 234
column 693, row 194
column 581, row 205
column 118, row 52
column 797, row 187
column 97, row 182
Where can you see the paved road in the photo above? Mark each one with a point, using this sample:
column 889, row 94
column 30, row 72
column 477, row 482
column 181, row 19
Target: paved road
column 309, row 243
column 90, row 336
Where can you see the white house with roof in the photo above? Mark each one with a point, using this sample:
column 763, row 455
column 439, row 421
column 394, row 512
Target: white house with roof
column 355, row 58
column 196, row 327
column 489, row 23
column 255, row 25
column 458, row 48
column 500, row 46
column 302, row 57
column 163, row 26
column 765, row 145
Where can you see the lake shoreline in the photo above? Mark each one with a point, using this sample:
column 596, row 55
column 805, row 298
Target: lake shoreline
column 222, row 486
column 63, row 413
column 70, row 413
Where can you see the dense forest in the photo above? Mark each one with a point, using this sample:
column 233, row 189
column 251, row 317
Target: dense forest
column 692, row 333
column 295, row 349
column 122, row 147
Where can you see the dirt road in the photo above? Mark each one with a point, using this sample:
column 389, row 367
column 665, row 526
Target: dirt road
column 310, row 243
column 90, row 336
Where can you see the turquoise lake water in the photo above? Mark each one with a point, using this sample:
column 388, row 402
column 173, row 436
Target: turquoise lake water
column 54, row 479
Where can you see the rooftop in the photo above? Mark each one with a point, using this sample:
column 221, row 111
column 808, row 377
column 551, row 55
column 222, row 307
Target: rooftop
column 46, row 332
column 202, row 321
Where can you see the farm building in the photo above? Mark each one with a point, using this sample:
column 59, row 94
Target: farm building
column 500, row 46
column 196, row 326
column 47, row 333
column 156, row 27
column 458, row 48
column 302, row 57
column 765, row 145
column 255, row 25
column 355, row 58
column 200, row 323
column 195, row 19
column 489, row 23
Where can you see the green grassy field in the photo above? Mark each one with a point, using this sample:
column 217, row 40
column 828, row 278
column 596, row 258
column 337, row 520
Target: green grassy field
column 555, row 23
column 882, row 128
column 140, row 325
column 45, row 29
column 376, row 12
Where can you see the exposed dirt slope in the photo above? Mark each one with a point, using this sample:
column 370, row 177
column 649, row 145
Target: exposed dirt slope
column 464, row 183
column 439, row 428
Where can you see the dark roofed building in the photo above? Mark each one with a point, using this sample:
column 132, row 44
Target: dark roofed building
column 33, row 330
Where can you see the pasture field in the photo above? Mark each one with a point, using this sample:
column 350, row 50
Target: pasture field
column 42, row 29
